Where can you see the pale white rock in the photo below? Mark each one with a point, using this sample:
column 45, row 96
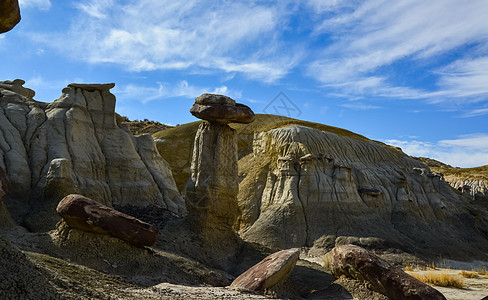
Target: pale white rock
column 301, row 184
column 74, row 145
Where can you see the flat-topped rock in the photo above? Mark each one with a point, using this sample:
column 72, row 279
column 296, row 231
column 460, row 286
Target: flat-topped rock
column 16, row 86
column 211, row 99
column 88, row 215
column 221, row 109
column 93, row 86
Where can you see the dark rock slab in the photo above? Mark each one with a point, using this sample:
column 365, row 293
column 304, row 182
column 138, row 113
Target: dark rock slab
column 358, row 263
column 272, row 270
column 86, row 214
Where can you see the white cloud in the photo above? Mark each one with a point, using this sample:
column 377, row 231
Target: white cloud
column 97, row 9
column 359, row 106
column 475, row 113
column 164, row 90
column 40, row 4
column 379, row 33
column 143, row 35
column 466, row 151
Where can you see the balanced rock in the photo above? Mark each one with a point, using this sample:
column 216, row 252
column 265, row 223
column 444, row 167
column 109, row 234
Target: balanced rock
column 213, row 185
column 274, row 269
column 9, row 14
column 88, row 215
column 357, row 263
column 221, row 109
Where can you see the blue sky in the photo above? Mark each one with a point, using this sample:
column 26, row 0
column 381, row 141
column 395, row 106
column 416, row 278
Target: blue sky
column 411, row 73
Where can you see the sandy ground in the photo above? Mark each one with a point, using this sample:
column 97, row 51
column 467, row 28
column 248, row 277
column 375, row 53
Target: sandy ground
column 474, row 288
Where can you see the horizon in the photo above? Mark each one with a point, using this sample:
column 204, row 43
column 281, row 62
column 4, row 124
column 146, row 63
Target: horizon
column 412, row 74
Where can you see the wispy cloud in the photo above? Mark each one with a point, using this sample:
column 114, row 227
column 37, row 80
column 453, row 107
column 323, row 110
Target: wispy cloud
column 143, row 35
column 475, row 113
column 40, row 4
column 379, row 33
column 465, row 151
column 359, row 106
column 164, row 90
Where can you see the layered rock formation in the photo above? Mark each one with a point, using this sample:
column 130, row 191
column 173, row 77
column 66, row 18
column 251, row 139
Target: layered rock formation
column 74, row 145
column 301, row 185
column 9, row 14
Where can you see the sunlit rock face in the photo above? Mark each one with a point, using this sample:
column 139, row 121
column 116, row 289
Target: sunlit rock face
column 74, row 145
column 301, row 184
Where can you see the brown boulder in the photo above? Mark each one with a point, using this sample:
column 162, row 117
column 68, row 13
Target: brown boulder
column 221, row 109
column 88, row 215
column 9, row 14
column 358, row 263
column 274, row 269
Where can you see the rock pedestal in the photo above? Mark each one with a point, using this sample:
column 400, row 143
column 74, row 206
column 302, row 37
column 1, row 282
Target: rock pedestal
column 213, row 185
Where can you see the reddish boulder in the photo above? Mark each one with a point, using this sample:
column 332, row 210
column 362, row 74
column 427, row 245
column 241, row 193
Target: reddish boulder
column 274, row 269
column 360, row 264
column 9, row 14
column 88, row 215
column 221, row 109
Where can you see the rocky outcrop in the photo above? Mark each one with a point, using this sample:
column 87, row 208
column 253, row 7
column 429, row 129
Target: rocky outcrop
column 475, row 188
column 301, row 184
column 9, row 14
column 20, row 278
column 272, row 270
column 88, row 215
column 357, row 263
column 213, row 185
column 74, row 145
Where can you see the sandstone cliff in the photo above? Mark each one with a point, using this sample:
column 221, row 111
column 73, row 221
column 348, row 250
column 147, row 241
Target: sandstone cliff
column 301, row 184
column 306, row 184
column 472, row 182
column 74, row 145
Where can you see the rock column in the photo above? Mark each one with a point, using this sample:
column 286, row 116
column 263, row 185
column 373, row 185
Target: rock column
column 213, row 185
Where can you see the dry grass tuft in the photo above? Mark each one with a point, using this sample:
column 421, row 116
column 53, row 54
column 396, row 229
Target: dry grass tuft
column 431, row 266
column 483, row 272
column 440, row 279
column 408, row 268
column 469, row 274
